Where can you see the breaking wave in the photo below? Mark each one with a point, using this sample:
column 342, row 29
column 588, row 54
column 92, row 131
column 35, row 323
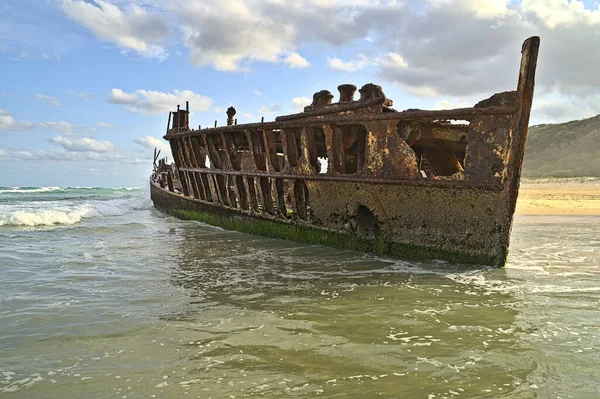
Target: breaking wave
column 57, row 213
column 32, row 190
column 28, row 189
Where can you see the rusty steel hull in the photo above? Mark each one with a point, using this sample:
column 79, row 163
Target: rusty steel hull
column 360, row 175
column 471, row 230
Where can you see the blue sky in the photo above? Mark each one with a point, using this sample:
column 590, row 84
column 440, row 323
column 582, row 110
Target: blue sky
column 87, row 85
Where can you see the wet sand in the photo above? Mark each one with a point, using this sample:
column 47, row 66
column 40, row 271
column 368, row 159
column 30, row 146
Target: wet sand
column 559, row 197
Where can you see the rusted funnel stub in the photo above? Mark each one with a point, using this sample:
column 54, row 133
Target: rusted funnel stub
column 371, row 91
column 346, row 92
column 322, row 98
column 230, row 114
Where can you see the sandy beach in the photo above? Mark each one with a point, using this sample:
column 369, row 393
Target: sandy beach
column 577, row 196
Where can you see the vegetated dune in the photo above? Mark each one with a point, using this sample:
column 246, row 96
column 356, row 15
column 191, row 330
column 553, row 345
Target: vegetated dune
column 564, row 149
column 575, row 196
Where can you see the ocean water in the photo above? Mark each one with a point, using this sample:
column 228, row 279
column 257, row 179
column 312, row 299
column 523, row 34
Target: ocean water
column 101, row 296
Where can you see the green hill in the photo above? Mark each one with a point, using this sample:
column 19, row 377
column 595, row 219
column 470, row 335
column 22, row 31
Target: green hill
column 569, row 149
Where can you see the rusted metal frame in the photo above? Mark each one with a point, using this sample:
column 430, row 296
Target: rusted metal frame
column 273, row 166
column 187, row 141
column 254, row 140
column 271, row 147
column 197, row 150
column 230, row 186
column 230, row 150
column 176, row 121
column 221, row 183
column 338, row 149
column 170, row 181
column 215, row 188
column 352, row 179
column 332, row 109
column 328, row 131
column 301, row 199
column 213, row 151
column 193, row 184
column 254, row 203
column 208, row 180
column 217, row 162
column 280, row 190
column 311, row 147
column 242, row 192
column 285, row 148
column 199, row 185
column 290, row 149
column 233, row 195
column 189, row 187
column 266, row 193
column 361, row 156
column 184, row 183
column 182, row 153
column 175, row 151
column 416, row 116
column 256, row 144
column 207, row 187
column 520, row 121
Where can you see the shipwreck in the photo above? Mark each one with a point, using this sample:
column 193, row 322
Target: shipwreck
column 358, row 174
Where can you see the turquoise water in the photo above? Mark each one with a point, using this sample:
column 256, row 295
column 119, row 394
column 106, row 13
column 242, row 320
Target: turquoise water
column 104, row 297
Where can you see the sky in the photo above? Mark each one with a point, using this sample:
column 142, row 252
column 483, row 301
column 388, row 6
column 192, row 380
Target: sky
column 86, row 86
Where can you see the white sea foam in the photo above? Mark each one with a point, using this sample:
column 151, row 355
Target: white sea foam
column 29, row 190
column 56, row 213
column 45, row 217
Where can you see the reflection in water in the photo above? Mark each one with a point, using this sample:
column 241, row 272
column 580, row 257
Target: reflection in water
column 143, row 305
column 275, row 317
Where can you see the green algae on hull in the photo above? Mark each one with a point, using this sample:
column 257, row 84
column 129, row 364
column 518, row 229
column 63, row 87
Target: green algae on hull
column 187, row 209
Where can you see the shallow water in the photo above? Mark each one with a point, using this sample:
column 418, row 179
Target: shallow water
column 104, row 297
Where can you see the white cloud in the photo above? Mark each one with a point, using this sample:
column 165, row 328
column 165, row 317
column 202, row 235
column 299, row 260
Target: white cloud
column 66, row 127
column 156, row 102
column 85, row 96
column 299, row 103
column 258, row 92
column 150, row 143
column 432, row 48
column 118, row 96
column 295, row 61
column 453, row 104
column 360, row 62
column 48, row 99
column 231, row 35
column 392, row 60
column 7, row 122
column 62, row 155
column 106, row 125
column 270, row 109
column 131, row 27
column 553, row 108
column 557, row 13
column 83, row 144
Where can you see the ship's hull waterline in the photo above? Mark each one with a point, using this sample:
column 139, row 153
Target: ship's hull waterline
column 358, row 174
column 451, row 240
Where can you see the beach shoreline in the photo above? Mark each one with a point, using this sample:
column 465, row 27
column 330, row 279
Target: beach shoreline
column 575, row 197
